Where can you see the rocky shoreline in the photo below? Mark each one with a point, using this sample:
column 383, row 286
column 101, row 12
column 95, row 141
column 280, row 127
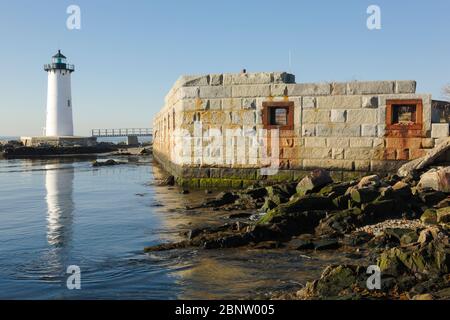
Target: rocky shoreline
column 15, row 150
column 398, row 224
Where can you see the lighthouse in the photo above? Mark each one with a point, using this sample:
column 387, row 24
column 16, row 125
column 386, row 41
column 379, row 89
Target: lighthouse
column 59, row 121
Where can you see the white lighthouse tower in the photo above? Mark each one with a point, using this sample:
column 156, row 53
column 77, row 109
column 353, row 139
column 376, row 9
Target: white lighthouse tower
column 59, row 121
column 59, row 97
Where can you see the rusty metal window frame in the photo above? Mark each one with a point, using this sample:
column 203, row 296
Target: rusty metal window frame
column 390, row 110
column 268, row 106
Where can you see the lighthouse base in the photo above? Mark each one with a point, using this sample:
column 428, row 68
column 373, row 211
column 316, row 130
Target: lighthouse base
column 59, row 141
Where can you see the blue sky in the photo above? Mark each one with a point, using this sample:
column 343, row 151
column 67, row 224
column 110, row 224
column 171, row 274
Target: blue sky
column 129, row 53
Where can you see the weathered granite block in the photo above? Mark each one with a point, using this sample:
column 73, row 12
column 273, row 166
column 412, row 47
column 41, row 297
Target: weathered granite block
column 308, row 130
column 405, row 86
column 338, row 130
column 362, row 165
column 215, row 92
column 309, row 102
column 330, row 164
column 338, row 88
column 216, row 79
column 278, row 90
column 193, row 81
column 361, row 142
column 339, row 102
column 369, row 102
column 231, row 104
column 338, row 142
column 315, row 142
column 309, row 89
column 188, row 93
column 440, row 130
column 362, row 116
column 248, row 103
column 358, row 154
column 315, row 153
column 248, row 78
column 251, row 91
column 316, row 116
column 338, row 116
column 338, row 153
column 369, row 130
column 371, row 87
column 381, row 130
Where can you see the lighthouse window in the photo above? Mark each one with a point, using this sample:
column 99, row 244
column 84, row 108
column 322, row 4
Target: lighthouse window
column 69, row 103
column 278, row 115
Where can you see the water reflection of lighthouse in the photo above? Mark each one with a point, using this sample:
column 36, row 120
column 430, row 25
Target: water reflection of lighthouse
column 60, row 205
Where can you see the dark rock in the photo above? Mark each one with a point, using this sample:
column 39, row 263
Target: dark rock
column 443, row 215
column 336, row 190
column 300, row 244
column 222, row 199
column 279, row 194
column 429, row 216
column 431, row 197
column 364, row 195
column 431, row 255
column 313, row 182
column 335, row 282
column 342, row 202
column 338, row 223
column 184, row 191
column 444, row 203
column 268, row 205
column 326, row 244
column 268, row 245
column 357, row 238
column 240, row 215
column 298, row 204
column 109, row 162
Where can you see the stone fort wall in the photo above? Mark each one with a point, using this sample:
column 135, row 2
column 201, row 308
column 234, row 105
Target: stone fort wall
column 216, row 129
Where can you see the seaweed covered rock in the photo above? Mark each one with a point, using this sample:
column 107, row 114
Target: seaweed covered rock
column 313, row 182
column 296, row 205
column 443, row 215
column 281, row 193
column 339, row 223
column 430, row 255
column 429, row 216
column 336, row 282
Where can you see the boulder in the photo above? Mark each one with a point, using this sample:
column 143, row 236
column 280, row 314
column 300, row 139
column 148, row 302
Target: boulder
column 429, row 217
column 326, row 244
column 443, row 215
column 369, row 181
column 339, row 223
column 313, row 182
column 298, row 204
column 335, row 282
column 436, row 179
column 109, row 162
column 430, row 255
column 422, row 163
column 431, row 197
column 279, row 193
column 300, row 244
column 364, row 195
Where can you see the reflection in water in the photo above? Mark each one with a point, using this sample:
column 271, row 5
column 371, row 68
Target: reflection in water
column 60, row 205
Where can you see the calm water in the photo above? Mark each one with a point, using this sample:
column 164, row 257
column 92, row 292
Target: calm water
column 57, row 213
